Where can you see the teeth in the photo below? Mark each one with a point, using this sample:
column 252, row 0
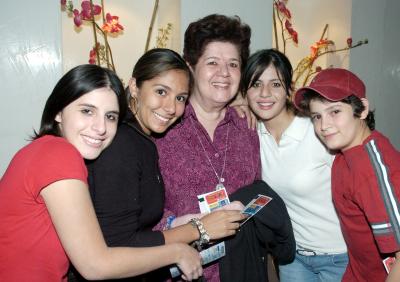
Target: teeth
column 266, row 104
column 92, row 140
column 161, row 117
column 220, row 84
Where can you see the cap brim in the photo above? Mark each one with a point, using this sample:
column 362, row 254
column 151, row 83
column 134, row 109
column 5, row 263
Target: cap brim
column 330, row 93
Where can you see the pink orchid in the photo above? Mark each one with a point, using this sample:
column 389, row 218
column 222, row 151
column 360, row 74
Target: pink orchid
column 281, row 6
column 349, row 42
column 92, row 56
column 288, row 25
column 282, row 9
column 87, row 10
column 63, row 2
column 77, row 18
column 112, row 25
column 295, row 36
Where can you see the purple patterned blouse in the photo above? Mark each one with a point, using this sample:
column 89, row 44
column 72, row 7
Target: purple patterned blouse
column 187, row 171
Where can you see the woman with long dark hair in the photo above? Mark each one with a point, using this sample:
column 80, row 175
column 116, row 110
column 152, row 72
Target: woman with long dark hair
column 47, row 217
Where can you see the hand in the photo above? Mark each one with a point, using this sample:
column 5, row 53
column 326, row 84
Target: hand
column 222, row 223
column 184, row 219
column 243, row 110
column 189, row 262
column 235, row 205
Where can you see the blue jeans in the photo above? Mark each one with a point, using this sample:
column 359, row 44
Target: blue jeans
column 324, row 268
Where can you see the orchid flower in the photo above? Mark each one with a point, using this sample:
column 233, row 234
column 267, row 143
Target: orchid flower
column 112, row 25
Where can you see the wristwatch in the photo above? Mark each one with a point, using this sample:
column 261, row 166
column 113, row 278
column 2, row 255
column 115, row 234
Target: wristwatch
column 204, row 237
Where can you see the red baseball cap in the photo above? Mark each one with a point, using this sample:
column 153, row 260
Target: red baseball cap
column 333, row 84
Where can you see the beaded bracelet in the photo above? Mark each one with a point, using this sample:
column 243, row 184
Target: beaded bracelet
column 204, row 236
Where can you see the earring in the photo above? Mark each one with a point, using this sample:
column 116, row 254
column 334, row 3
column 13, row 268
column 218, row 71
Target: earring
column 133, row 104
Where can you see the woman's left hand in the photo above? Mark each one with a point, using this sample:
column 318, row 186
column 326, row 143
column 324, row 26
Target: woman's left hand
column 222, row 223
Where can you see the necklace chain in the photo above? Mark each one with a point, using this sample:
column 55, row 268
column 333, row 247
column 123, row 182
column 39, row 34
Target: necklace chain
column 219, row 178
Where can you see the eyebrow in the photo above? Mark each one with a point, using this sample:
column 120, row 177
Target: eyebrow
column 88, row 105
column 269, row 80
column 169, row 88
column 162, row 85
column 218, row 58
column 328, row 108
column 113, row 112
column 94, row 107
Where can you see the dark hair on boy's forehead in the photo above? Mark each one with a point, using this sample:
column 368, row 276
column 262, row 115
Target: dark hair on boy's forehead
column 308, row 96
column 352, row 100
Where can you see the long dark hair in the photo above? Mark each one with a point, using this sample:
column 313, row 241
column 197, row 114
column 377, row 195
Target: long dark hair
column 74, row 84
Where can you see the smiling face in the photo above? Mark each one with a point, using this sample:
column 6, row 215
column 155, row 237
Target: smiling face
column 90, row 122
column 161, row 100
column 267, row 95
column 336, row 126
column 217, row 74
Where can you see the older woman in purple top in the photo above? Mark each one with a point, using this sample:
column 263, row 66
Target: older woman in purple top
column 212, row 146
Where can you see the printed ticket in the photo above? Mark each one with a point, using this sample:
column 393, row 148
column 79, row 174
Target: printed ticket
column 208, row 255
column 254, row 206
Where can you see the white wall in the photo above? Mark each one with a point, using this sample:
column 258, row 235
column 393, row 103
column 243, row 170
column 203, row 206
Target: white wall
column 30, row 65
column 378, row 63
column 310, row 24
column 135, row 17
column 256, row 13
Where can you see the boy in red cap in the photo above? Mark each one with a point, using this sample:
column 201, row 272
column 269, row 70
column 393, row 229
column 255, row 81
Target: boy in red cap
column 365, row 173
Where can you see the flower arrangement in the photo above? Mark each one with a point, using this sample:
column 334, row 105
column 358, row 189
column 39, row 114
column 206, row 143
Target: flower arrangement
column 306, row 68
column 90, row 13
column 282, row 14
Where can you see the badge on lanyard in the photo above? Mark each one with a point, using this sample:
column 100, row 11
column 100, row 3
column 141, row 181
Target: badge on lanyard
column 213, row 200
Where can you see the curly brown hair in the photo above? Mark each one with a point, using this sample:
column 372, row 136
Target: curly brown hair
column 216, row 28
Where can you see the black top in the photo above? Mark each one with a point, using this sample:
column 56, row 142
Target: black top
column 127, row 188
column 127, row 191
column 268, row 231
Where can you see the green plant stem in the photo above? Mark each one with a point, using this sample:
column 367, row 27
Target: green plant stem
column 282, row 33
column 107, row 46
column 108, row 49
column 153, row 17
column 94, row 33
column 274, row 22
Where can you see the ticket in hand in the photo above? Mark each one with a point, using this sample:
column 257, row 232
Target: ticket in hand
column 254, row 206
column 208, row 255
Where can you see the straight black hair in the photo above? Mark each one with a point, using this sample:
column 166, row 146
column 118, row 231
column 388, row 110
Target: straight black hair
column 74, row 84
column 260, row 61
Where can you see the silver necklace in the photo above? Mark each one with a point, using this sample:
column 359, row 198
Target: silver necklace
column 220, row 178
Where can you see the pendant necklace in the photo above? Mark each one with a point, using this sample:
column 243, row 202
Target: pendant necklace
column 220, row 178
